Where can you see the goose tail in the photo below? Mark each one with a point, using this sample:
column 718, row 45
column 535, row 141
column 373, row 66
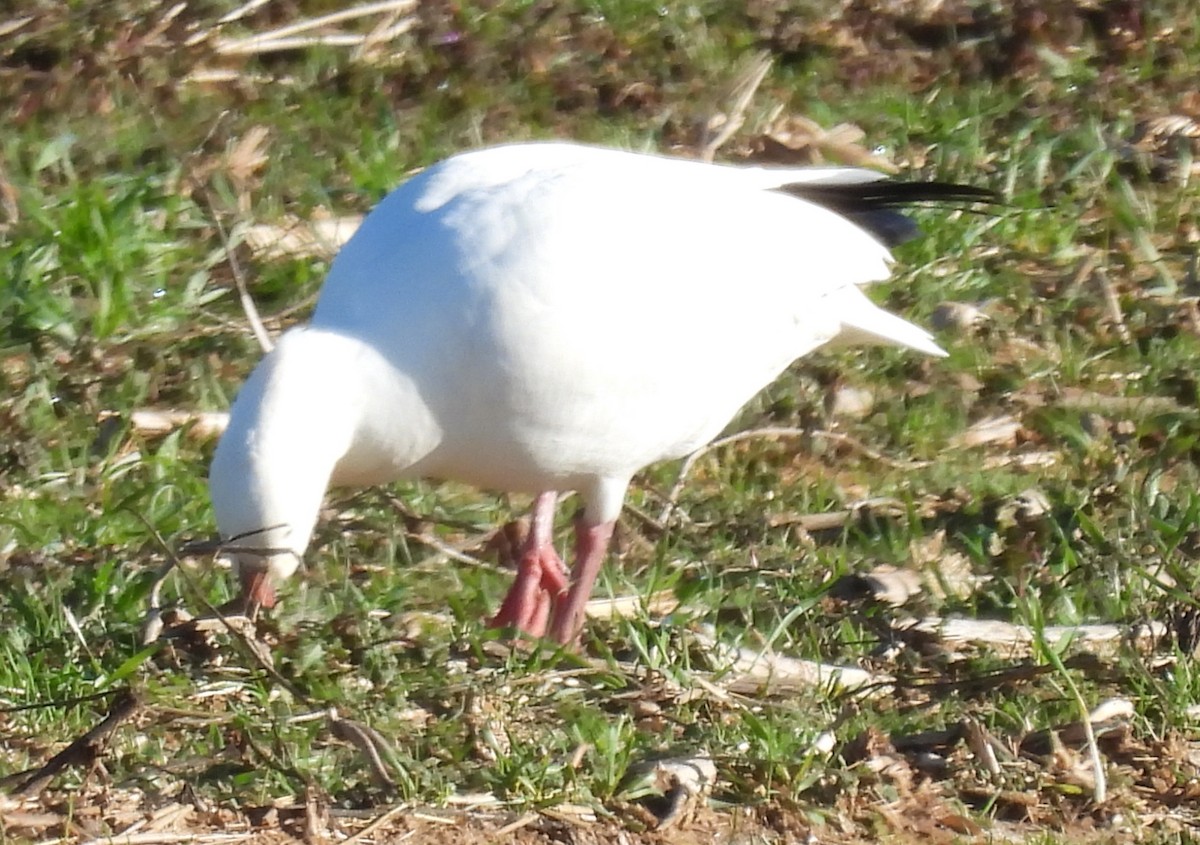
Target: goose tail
column 864, row 322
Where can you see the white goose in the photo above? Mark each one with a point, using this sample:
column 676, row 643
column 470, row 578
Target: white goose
column 546, row 317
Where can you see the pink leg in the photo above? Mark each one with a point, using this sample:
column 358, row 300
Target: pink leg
column 256, row 588
column 591, row 543
column 540, row 575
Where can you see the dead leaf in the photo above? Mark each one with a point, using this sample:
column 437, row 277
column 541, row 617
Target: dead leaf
column 295, row 238
column 885, row 583
column 1001, row 429
column 794, row 140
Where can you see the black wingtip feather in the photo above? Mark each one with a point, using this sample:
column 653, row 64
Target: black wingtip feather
column 874, row 205
column 885, row 193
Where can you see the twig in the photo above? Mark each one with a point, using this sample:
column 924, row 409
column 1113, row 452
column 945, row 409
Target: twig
column 258, row 46
column 777, row 431
column 378, row 822
column 1100, row 793
column 980, row 742
column 1013, row 639
column 252, row 646
column 352, row 13
column 646, row 519
column 1113, row 303
column 388, row 28
column 629, row 607
column 368, row 741
column 867, row 451
column 690, row 460
column 878, row 506
column 266, row 41
column 448, row 551
column 402, row 507
column 749, row 671
column 59, row 702
column 373, row 747
column 1083, row 272
column 73, row 624
column 513, row 827
column 10, row 26
column 239, row 279
column 721, row 127
column 164, row 23
column 445, row 549
column 83, row 751
column 153, row 827
column 242, row 11
column 162, row 837
column 204, row 424
column 1076, row 398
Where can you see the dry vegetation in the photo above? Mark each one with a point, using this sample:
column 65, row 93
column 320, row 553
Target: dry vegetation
column 907, row 600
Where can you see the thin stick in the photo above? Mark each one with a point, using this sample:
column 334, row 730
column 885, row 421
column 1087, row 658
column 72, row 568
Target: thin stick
column 59, row 702
column 259, row 45
column 241, row 11
column 448, row 551
column 513, row 827
column 247, row 45
column 344, row 728
column 162, row 837
column 1113, row 303
column 385, row 32
column 867, row 451
column 1100, row 794
column 445, row 549
column 745, row 84
column 690, row 460
column 778, row 431
column 252, row 647
column 368, row 741
column 84, row 750
column 378, row 822
column 239, row 279
column 10, row 26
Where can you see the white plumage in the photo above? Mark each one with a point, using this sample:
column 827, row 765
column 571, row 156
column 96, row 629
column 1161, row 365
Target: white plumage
column 546, row 317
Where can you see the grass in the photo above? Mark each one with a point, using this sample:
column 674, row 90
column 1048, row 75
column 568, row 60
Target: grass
column 117, row 295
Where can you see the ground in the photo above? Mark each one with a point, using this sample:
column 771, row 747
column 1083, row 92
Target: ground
column 905, row 599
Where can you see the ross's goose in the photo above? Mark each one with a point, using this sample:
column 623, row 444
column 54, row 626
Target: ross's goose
column 546, row 317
